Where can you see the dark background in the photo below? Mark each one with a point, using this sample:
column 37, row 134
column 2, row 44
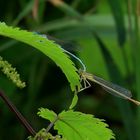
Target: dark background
column 105, row 36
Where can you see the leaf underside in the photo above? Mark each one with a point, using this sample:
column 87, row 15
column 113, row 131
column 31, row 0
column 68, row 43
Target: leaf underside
column 48, row 47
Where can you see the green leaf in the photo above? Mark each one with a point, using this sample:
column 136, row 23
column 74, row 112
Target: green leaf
column 66, row 9
column 117, row 11
column 79, row 126
column 47, row 114
column 48, row 47
column 74, row 101
column 24, row 12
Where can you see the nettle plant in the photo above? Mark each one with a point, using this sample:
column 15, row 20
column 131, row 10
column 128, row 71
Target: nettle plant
column 70, row 124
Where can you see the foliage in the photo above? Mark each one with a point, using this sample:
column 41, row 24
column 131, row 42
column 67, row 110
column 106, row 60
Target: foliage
column 44, row 136
column 105, row 36
column 48, row 47
column 73, row 125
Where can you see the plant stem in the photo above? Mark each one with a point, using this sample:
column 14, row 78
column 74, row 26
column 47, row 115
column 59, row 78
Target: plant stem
column 51, row 124
column 18, row 114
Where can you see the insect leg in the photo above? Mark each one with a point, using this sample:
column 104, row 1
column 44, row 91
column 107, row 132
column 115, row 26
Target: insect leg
column 86, row 84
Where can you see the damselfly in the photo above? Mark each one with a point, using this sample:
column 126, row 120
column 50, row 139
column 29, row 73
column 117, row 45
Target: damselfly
column 108, row 86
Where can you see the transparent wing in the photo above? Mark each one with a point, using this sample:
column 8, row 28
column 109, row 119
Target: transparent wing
column 113, row 88
column 110, row 87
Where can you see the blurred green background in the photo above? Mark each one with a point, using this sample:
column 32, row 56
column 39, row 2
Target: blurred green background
column 105, row 36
